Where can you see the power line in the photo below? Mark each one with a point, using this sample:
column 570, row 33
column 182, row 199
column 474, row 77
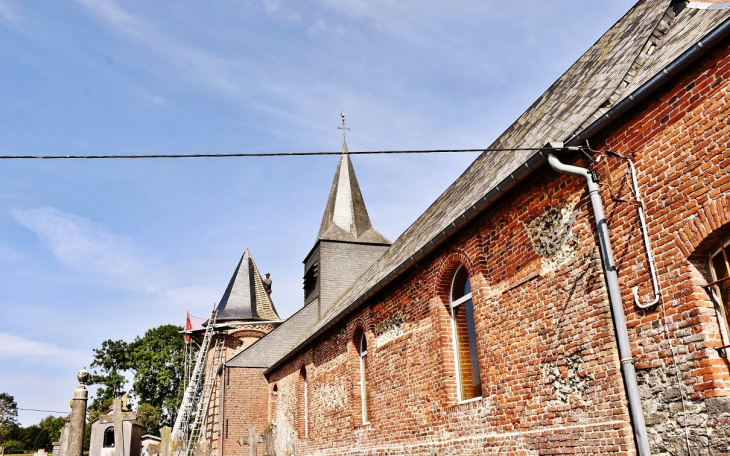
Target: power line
column 265, row 154
column 47, row 411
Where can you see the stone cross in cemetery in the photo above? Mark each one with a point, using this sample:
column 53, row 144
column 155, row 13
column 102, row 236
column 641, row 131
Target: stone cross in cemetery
column 116, row 433
column 165, row 441
column 120, row 404
column 252, row 440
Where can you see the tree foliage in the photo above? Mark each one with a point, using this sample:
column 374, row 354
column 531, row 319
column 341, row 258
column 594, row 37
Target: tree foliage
column 155, row 363
column 17, row 439
column 110, row 363
column 8, row 417
column 149, row 417
column 157, row 359
column 8, row 410
column 52, row 424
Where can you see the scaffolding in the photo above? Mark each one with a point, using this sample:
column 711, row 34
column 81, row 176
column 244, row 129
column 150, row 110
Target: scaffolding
column 197, row 390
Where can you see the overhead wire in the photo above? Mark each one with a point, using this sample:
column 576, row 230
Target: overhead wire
column 266, row 154
column 36, row 410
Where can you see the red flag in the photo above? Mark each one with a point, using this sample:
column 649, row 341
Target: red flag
column 188, row 327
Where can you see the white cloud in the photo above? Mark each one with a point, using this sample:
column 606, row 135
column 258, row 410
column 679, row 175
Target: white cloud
column 198, row 64
column 9, row 12
column 288, row 93
column 32, row 350
column 91, row 248
column 87, row 246
column 149, row 97
column 11, row 254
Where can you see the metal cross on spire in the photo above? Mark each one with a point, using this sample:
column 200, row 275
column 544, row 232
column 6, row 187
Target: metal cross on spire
column 343, row 127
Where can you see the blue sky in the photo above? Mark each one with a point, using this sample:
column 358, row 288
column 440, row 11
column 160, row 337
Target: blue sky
column 91, row 250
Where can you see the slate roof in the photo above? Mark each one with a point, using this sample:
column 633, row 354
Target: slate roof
column 245, row 298
column 618, row 63
column 345, row 216
column 277, row 343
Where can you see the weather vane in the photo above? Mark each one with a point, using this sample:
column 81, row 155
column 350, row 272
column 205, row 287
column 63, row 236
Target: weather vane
column 343, row 127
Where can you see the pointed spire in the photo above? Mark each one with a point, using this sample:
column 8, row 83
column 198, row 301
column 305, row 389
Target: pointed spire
column 245, row 298
column 346, row 217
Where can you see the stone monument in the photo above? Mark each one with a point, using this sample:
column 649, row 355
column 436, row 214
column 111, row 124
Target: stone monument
column 117, row 433
column 72, row 434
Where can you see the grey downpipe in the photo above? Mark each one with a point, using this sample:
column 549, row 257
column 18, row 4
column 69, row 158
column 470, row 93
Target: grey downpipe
column 617, row 309
column 223, row 405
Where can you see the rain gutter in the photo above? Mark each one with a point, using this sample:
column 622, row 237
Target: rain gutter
column 677, row 66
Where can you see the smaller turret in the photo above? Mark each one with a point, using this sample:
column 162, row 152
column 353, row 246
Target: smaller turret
column 246, row 297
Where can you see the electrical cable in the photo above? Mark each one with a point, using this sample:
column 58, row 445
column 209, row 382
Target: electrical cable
column 268, row 154
column 47, row 411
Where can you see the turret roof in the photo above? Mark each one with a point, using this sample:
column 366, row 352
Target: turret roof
column 245, row 298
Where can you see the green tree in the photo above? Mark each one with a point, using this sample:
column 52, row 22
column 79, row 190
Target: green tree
column 8, row 410
column 14, row 446
column 52, row 425
column 109, row 364
column 149, row 417
column 8, row 417
column 35, row 437
column 157, row 360
column 31, row 437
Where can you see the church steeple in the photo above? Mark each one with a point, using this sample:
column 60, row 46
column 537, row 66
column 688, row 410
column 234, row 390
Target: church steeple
column 347, row 244
column 345, row 216
column 245, row 298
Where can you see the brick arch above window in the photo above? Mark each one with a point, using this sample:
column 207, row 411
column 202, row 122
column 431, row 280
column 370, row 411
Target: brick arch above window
column 447, row 267
column 358, row 330
column 708, row 220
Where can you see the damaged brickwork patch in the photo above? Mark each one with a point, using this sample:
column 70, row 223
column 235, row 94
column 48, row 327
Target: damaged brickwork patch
column 568, row 383
column 332, row 397
column 391, row 327
column 551, row 234
column 673, row 420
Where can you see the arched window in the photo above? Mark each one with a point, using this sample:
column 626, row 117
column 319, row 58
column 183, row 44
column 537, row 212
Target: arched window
column 465, row 339
column 303, row 404
column 109, row 437
column 719, row 266
column 273, row 401
column 362, row 350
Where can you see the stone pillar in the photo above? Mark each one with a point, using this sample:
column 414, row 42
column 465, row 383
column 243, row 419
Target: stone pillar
column 77, row 418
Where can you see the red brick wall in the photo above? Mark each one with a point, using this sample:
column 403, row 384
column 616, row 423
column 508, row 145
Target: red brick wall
column 247, row 396
column 531, row 325
column 234, row 340
column 548, row 362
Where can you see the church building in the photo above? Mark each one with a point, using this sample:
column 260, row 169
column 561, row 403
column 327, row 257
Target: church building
column 568, row 293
